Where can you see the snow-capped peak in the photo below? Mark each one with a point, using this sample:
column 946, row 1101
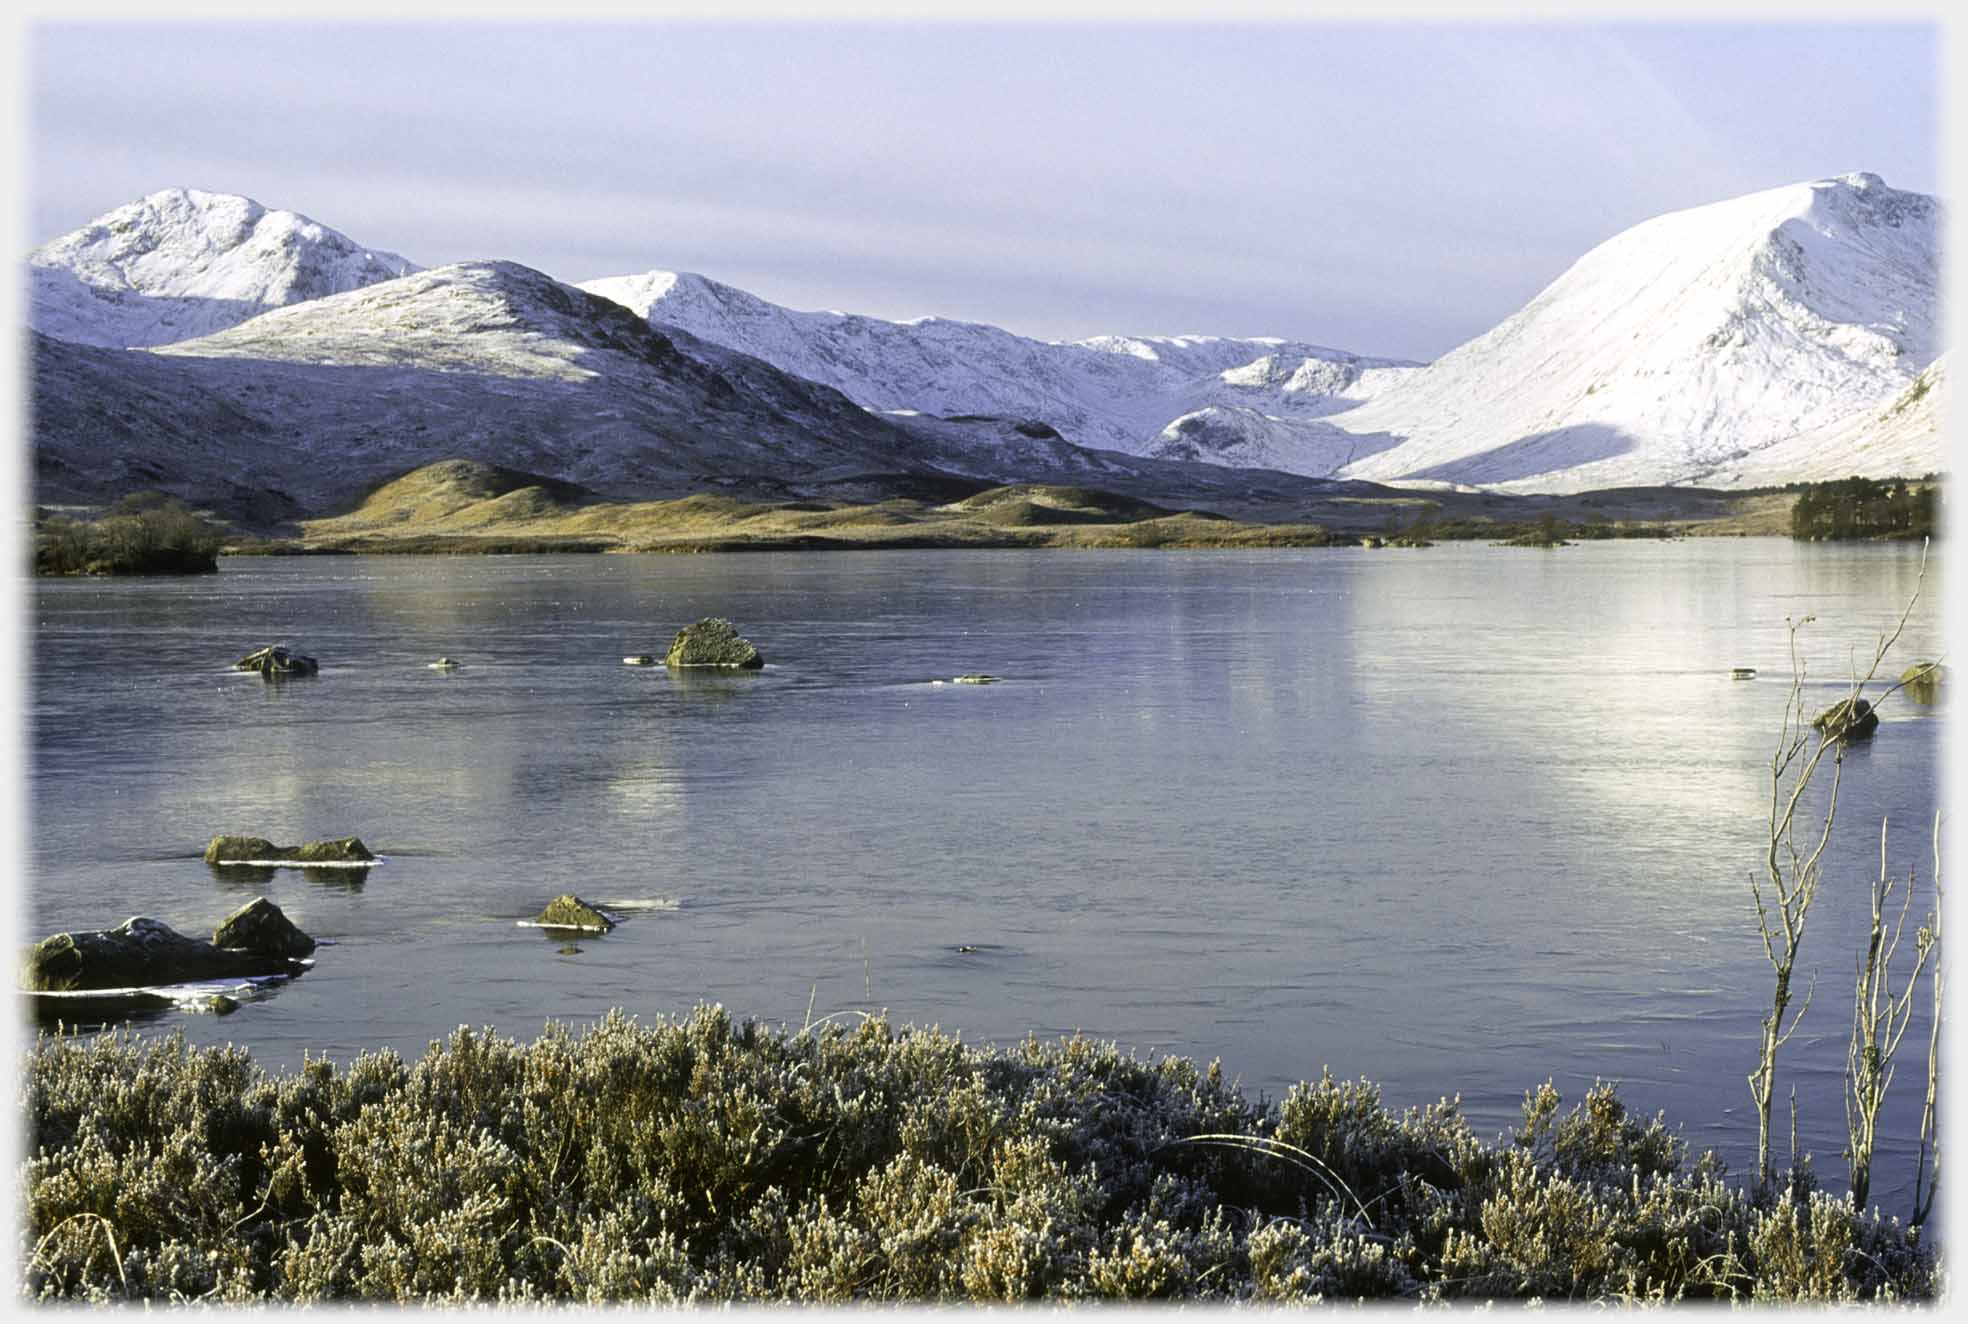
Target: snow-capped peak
column 1681, row 345
column 182, row 263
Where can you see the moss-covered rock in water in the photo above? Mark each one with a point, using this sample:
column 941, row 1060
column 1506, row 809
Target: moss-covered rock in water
column 1848, row 719
column 712, row 642
column 257, row 850
column 568, row 911
column 275, row 661
column 140, row 952
column 1922, row 682
column 236, row 850
column 342, row 850
column 260, row 926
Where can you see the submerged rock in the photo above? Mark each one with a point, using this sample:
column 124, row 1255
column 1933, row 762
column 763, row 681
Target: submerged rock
column 274, row 661
column 1848, row 719
column 1922, row 682
column 70, row 1010
column 256, row 850
column 712, row 642
column 568, row 911
column 140, row 952
column 260, row 926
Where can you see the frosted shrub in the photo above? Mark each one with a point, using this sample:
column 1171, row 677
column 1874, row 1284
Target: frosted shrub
column 701, row 1160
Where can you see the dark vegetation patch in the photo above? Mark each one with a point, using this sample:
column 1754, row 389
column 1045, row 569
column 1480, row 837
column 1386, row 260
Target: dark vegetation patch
column 706, row 1160
column 146, row 533
column 1866, row 508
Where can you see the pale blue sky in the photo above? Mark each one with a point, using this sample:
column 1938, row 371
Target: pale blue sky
column 1389, row 189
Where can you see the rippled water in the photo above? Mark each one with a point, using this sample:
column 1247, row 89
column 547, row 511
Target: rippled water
column 1457, row 820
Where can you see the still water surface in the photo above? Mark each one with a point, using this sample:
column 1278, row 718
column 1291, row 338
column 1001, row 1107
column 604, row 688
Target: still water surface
column 1456, row 820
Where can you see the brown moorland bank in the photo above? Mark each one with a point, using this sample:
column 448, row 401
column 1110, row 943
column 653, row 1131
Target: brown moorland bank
column 462, row 506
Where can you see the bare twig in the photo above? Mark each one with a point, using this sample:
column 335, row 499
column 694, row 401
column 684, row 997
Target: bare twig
column 1879, row 1021
column 1792, row 870
column 1927, row 1168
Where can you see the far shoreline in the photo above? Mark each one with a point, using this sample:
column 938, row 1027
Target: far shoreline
column 465, row 508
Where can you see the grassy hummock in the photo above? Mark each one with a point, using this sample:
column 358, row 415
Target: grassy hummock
column 706, row 1160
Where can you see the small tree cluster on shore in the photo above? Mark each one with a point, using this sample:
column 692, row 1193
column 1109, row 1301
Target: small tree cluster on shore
column 143, row 534
column 1853, row 508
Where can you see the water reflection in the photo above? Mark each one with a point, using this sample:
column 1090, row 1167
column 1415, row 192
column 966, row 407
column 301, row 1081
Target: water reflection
column 337, row 879
column 1458, row 820
column 714, row 685
column 247, row 875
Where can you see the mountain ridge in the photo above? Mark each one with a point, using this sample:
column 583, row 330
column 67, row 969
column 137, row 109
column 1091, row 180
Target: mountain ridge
column 1108, row 392
column 1747, row 342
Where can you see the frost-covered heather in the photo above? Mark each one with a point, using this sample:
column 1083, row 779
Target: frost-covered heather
column 703, row 1160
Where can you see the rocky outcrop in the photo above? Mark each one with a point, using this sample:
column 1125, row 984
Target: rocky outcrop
column 1848, row 719
column 262, row 927
column 140, row 953
column 274, row 661
column 258, row 850
column 712, row 642
column 568, row 911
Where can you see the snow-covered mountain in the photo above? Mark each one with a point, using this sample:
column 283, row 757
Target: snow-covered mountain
column 308, row 406
column 183, row 263
column 1787, row 335
column 489, row 361
column 1113, row 392
column 1902, row 439
column 1681, row 349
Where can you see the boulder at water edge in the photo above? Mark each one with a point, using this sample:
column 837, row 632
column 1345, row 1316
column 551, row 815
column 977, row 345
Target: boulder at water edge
column 712, row 642
column 1848, row 719
column 1922, row 681
column 138, row 953
column 258, row 850
column 274, row 661
column 568, row 911
column 260, row 926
